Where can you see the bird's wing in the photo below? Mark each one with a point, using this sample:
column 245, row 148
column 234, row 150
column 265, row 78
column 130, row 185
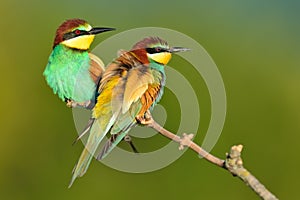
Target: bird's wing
column 134, row 95
column 140, row 101
column 137, row 83
column 96, row 68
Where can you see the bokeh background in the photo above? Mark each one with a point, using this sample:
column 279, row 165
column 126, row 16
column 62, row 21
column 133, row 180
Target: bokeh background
column 256, row 47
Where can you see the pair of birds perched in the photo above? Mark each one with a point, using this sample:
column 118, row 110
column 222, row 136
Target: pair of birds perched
column 119, row 95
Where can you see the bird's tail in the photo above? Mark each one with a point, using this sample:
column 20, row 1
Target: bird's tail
column 110, row 144
column 119, row 130
column 96, row 135
column 81, row 166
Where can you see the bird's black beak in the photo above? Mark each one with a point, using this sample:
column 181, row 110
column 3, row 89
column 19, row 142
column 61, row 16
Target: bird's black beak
column 98, row 30
column 178, row 49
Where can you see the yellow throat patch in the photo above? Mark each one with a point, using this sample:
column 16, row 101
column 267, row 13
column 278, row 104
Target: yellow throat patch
column 162, row 58
column 81, row 42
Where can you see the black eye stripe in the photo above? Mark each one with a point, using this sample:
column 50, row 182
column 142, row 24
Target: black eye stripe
column 68, row 35
column 156, row 50
column 74, row 34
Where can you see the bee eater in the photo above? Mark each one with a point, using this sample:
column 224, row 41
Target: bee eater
column 130, row 86
column 72, row 72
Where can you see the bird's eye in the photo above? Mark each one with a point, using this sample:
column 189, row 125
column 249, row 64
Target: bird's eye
column 157, row 49
column 77, row 32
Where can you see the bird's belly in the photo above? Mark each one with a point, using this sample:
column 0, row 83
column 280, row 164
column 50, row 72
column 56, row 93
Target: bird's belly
column 76, row 85
column 79, row 87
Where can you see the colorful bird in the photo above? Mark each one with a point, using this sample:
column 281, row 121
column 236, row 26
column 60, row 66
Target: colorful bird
column 72, row 72
column 130, row 86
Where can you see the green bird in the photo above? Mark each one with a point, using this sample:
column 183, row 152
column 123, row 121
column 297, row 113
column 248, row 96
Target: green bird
column 72, row 72
column 130, row 86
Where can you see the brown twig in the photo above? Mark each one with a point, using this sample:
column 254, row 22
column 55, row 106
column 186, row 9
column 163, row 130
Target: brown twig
column 233, row 162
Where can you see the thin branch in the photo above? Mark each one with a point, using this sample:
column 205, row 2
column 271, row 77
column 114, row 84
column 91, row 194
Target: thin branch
column 234, row 165
column 233, row 162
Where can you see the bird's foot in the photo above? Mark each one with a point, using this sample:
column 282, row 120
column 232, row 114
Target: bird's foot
column 73, row 104
column 70, row 103
column 145, row 119
column 128, row 139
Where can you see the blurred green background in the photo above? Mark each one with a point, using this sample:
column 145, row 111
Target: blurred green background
column 256, row 47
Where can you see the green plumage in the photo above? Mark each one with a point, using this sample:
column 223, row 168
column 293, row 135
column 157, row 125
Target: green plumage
column 67, row 73
column 159, row 75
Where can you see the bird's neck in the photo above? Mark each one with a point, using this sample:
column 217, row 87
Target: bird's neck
column 63, row 56
column 156, row 66
column 61, row 48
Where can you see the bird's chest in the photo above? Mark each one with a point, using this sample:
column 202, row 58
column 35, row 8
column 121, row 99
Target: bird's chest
column 68, row 75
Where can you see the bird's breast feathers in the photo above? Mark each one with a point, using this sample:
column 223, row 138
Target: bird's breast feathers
column 67, row 73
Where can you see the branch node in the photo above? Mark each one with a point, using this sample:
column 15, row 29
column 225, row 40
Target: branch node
column 185, row 140
column 233, row 159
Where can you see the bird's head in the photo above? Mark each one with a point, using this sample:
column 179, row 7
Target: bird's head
column 155, row 49
column 77, row 34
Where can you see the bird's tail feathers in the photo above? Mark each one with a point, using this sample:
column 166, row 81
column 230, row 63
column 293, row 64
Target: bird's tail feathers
column 95, row 137
column 81, row 166
column 110, row 144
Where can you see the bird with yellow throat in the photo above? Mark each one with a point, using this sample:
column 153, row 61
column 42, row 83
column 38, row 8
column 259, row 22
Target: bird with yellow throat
column 72, row 72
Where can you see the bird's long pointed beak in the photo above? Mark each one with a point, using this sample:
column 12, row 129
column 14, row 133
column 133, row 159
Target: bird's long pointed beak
column 98, row 30
column 178, row 49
